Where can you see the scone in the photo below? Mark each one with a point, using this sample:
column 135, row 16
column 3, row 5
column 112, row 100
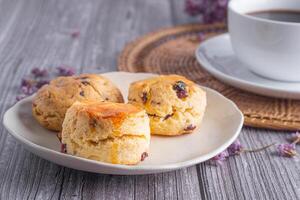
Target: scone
column 175, row 105
column 108, row 132
column 52, row 101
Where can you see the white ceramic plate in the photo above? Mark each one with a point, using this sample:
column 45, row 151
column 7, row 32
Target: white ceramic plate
column 217, row 57
column 221, row 126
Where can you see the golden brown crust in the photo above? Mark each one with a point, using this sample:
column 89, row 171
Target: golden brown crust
column 110, row 110
column 108, row 132
column 52, row 101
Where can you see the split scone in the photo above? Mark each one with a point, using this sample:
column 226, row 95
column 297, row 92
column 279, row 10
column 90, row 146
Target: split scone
column 108, row 132
column 52, row 100
column 174, row 104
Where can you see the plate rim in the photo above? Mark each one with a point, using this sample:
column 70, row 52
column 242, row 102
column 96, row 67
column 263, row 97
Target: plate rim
column 238, row 82
column 129, row 169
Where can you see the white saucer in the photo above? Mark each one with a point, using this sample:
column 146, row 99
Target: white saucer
column 221, row 126
column 217, row 57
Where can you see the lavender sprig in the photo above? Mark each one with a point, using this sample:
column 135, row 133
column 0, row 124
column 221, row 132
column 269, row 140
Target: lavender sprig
column 236, row 148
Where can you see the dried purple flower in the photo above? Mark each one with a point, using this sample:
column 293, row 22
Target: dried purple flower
column 28, row 90
column 220, row 158
column 193, row 7
column 20, row 97
column 75, row 34
column 37, row 72
column 65, row 70
column 235, row 148
column 28, row 87
column 27, row 83
column 210, row 10
column 286, row 150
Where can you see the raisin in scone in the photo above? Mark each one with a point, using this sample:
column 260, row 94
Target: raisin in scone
column 174, row 104
column 52, row 101
column 108, row 132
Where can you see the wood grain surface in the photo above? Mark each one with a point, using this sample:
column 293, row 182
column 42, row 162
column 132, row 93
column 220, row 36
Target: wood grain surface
column 36, row 33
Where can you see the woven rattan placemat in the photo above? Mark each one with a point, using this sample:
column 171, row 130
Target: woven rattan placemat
column 172, row 50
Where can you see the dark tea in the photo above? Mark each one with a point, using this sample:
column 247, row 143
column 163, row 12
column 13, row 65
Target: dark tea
column 278, row 15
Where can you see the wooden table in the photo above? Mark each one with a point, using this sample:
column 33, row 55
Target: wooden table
column 36, row 33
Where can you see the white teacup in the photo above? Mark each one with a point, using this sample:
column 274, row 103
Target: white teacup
column 270, row 48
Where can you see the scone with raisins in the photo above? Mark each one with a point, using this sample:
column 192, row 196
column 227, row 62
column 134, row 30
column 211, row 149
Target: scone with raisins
column 108, row 132
column 174, row 104
column 52, row 101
